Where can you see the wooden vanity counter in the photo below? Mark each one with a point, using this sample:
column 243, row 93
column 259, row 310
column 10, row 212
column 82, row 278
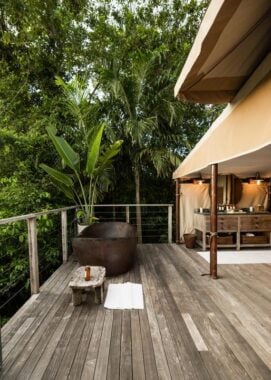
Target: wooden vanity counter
column 233, row 229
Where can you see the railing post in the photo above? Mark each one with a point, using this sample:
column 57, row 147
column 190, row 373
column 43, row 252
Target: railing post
column 114, row 212
column 170, row 224
column 127, row 208
column 33, row 255
column 64, row 236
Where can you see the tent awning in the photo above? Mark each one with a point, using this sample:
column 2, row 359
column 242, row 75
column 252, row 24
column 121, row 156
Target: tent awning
column 240, row 139
column 233, row 39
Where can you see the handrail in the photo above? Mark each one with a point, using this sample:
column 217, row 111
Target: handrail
column 34, row 215
column 57, row 210
column 136, row 204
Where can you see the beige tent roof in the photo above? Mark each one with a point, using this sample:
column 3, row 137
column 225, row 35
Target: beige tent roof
column 233, row 39
column 240, row 139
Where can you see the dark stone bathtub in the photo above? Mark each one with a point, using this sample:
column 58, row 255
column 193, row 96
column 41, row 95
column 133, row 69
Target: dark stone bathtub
column 109, row 244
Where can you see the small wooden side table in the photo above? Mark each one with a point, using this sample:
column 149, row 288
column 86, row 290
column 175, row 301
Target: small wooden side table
column 80, row 286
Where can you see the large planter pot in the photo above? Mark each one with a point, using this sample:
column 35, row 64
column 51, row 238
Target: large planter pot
column 81, row 227
column 110, row 244
column 189, row 240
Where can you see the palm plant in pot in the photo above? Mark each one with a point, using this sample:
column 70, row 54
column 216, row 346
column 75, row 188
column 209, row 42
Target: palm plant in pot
column 79, row 182
column 82, row 176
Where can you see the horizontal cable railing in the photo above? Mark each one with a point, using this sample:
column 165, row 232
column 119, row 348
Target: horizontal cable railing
column 47, row 226
column 156, row 219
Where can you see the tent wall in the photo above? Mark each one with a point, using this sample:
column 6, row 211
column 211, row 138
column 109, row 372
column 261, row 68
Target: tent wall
column 191, row 196
column 253, row 195
column 195, row 196
column 236, row 133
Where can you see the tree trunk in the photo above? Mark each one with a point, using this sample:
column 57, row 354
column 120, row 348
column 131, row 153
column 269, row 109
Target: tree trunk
column 138, row 207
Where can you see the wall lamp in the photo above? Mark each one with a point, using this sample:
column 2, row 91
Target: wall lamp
column 257, row 179
column 199, row 181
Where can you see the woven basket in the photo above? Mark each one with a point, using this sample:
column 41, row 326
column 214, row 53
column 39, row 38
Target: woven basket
column 189, row 240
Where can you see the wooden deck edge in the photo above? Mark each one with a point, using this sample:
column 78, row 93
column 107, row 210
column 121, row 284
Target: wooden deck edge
column 7, row 326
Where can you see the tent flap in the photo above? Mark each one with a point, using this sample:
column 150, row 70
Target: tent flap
column 233, row 39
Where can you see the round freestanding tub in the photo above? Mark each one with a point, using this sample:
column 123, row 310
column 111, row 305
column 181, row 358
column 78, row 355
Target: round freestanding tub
column 110, row 244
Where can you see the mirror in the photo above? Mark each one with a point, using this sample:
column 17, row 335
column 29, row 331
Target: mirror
column 229, row 189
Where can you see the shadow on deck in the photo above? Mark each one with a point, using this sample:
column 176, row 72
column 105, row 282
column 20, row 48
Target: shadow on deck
column 192, row 327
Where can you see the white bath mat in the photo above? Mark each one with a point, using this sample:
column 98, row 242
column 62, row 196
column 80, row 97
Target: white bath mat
column 240, row 257
column 124, row 296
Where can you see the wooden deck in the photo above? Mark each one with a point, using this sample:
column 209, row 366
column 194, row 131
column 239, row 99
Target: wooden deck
column 192, row 327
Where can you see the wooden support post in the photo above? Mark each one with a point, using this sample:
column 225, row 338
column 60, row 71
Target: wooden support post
column 177, row 211
column 64, row 236
column 127, row 208
column 33, row 255
column 169, row 224
column 213, row 224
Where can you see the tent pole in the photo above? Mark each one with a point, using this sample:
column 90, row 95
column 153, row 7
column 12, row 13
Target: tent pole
column 177, row 211
column 213, row 224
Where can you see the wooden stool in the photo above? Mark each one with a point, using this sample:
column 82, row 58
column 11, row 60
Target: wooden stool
column 80, row 286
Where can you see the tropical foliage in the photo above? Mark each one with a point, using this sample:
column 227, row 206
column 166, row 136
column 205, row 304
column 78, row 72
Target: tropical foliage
column 91, row 178
column 141, row 116
column 98, row 162
column 130, row 54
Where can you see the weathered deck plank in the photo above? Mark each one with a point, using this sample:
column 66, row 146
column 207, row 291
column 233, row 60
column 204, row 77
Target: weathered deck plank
column 81, row 352
column 113, row 370
column 185, row 313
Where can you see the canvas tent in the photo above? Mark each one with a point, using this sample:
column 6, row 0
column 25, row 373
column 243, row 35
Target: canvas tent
column 240, row 139
column 230, row 62
column 232, row 41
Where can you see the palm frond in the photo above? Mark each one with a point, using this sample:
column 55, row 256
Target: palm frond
column 163, row 160
column 77, row 95
column 120, row 93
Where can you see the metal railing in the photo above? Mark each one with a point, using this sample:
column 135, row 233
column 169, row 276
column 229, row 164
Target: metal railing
column 156, row 226
column 104, row 212
column 156, row 219
column 31, row 220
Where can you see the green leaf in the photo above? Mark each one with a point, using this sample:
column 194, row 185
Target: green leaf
column 110, row 153
column 65, row 151
column 60, row 82
column 6, row 38
column 52, row 129
column 94, row 150
column 65, row 189
column 57, row 175
column 113, row 150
